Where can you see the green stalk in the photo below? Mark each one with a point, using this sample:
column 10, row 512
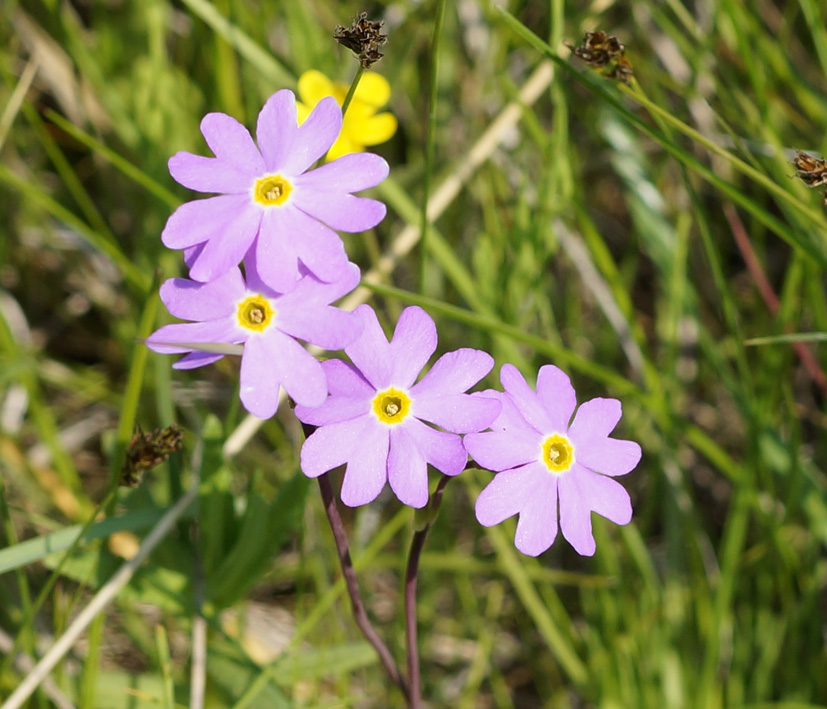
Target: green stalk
column 429, row 140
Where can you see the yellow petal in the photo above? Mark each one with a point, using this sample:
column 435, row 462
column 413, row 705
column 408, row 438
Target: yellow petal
column 302, row 112
column 314, row 86
column 342, row 146
column 372, row 131
column 373, row 89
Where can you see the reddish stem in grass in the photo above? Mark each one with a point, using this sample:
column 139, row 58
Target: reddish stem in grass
column 762, row 283
column 359, row 613
column 417, row 544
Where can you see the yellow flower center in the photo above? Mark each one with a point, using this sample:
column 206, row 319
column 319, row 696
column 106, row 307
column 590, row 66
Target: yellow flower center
column 271, row 190
column 391, row 405
column 255, row 313
column 558, row 453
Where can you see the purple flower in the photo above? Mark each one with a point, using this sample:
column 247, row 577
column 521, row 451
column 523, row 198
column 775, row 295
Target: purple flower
column 269, row 202
column 541, row 459
column 373, row 418
column 229, row 310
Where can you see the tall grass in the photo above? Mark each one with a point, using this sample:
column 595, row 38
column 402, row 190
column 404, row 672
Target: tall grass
column 633, row 235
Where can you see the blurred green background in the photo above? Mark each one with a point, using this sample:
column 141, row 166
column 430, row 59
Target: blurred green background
column 636, row 236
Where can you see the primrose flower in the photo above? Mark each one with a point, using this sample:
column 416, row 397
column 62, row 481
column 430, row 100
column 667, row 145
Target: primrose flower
column 373, row 418
column 543, row 460
column 362, row 125
column 270, row 203
column 230, row 311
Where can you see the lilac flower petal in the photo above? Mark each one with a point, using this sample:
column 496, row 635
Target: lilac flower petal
column 259, row 388
column 525, row 399
column 276, row 129
column 442, row 450
column 191, row 300
column 208, row 174
column 350, row 396
column 350, row 173
column 313, row 138
column 335, row 409
column 413, row 343
column 575, row 513
column 557, row 396
column 505, row 495
column 454, row 372
column 310, row 292
column 510, row 417
column 338, row 210
column 274, row 254
column 196, row 359
column 223, row 330
column 319, row 248
column 202, row 219
column 609, row 456
column 607, row 497
column 537, row 526
column 343, row 379
column 227, row 248
column 331, row 446
column 501, row 450
column 367, row 469
column 231, row 142
column 407, row 469
column 371, row 352
column 300, row 373
column 327, row 327
column 458, row 413
column 595, row 419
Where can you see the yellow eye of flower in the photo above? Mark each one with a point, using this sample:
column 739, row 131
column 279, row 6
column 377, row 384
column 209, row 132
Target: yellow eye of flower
column 255, row 313
column 271, row 190
column 558, row 453
column 391, row 405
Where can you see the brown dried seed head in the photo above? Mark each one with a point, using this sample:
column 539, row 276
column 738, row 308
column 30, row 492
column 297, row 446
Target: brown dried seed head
column 363, row 38
column 811, row 171
column 146, row 450
column 604, row 53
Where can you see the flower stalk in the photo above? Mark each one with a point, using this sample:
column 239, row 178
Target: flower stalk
column 357, row 604
column 411, row 577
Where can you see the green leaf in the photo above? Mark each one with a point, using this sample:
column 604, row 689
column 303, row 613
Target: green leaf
column 264, row 528
column 40, row 548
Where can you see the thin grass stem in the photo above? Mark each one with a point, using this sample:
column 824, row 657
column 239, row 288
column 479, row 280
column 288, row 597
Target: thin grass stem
column 101, row 599
column 352, row 90
column 429, row 141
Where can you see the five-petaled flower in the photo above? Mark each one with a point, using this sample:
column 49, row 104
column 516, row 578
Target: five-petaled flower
column 542, row 459
column 270, row 203
column 373, row 418
column 229, row 310
column 362, row 125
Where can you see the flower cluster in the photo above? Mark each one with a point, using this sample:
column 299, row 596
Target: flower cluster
column 275, row 215
column 266, row 264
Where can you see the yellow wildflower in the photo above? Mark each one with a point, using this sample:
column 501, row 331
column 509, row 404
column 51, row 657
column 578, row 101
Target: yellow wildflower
column 362, row 125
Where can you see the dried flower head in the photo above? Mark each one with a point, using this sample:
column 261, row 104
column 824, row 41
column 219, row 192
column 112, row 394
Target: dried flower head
column 363, row 38
column 146, row 450
column 605, row 54
column 811, row 171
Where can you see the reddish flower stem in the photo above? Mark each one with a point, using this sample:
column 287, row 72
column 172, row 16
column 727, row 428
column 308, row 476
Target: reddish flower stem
column 359, row 613
column 417, row 544
column 764, row 287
